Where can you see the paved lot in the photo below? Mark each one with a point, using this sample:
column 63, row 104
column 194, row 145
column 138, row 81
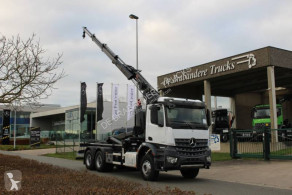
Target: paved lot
column 231, row 177
column 273, row 173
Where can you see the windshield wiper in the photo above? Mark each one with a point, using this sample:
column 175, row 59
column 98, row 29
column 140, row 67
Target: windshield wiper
column 197, row 123
column 183, row 124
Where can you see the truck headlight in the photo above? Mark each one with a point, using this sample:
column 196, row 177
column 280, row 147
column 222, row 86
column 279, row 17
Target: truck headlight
column 171, row 159
column 208, row 158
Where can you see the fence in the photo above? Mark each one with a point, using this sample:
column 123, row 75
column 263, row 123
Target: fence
column 259, row 143
column 66, row 143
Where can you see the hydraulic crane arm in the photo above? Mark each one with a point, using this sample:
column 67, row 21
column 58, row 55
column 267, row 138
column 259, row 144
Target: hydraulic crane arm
column 149, row 93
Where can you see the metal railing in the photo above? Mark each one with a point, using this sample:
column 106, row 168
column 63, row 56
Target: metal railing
column 264, row 143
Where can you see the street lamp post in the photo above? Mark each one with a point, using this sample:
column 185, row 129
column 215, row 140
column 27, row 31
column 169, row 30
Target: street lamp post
column 136, row 18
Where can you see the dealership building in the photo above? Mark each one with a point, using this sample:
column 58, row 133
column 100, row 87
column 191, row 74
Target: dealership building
column 21, row 117
column 62, row 123
column 262, row 76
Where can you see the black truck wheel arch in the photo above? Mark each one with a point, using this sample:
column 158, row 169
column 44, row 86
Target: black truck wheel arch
column 143, row 150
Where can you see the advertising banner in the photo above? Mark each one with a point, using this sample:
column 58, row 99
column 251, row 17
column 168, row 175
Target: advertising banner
column 115, row 101
column 35, row 136
column 215, row 142
column 99, row 102
column 83, row 101
column 6, row 127
column 131, row 101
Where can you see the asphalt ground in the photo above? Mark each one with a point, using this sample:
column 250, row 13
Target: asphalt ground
column 228, row 177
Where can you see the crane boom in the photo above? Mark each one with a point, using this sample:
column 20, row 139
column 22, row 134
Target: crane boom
column 149, row 93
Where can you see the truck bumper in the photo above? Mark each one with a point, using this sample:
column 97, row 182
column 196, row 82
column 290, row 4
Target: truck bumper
column 170, row 160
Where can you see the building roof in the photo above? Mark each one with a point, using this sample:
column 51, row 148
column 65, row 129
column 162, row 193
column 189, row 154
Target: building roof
column 231, row 75
column 32, row 107
column 240, row 66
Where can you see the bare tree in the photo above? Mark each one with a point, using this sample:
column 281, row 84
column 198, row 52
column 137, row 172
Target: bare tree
column 25, row 75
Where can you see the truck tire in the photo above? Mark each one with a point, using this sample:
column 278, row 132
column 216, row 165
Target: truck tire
column 224, row 137
column 189, row 173
column 281, row 136
column 89, row 160
column 101, row 164
column 147, row 168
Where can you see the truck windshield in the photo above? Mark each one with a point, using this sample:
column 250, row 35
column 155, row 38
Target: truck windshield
column 186, row 118
column 264, row 113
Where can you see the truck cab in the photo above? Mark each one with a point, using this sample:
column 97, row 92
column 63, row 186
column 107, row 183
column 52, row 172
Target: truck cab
column 261, row 121
column 221, row 123
column 261, row 117
column 175, row 118
column 180, row 127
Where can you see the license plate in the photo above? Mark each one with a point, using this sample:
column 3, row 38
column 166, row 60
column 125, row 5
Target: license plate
column 289, row 131
column 245, row 134
column 225, row 131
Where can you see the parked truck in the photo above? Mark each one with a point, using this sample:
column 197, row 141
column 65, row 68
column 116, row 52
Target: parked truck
column 169, row 134
column 222, row 123
column 261, row 120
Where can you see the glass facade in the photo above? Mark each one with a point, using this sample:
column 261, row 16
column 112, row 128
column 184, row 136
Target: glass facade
column 72, row 125
column 61, row 126
column 22, row 123
column 57, row 130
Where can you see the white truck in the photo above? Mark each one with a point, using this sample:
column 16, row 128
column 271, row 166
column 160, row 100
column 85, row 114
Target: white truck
column 170, row 134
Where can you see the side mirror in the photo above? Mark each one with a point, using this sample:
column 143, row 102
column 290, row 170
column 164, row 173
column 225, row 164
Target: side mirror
column 252, row 112
column 208, row 118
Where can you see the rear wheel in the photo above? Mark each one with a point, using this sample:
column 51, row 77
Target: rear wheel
column 148, row 169
column 189, row 173
column 101, row 164
column 89, row 160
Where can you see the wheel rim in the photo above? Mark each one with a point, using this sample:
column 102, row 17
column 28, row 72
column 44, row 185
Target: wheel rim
column 98, row 161
column 88, row 160
column 146, row 168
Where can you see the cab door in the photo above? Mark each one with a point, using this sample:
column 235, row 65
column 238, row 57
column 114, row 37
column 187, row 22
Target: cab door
column 155, row 125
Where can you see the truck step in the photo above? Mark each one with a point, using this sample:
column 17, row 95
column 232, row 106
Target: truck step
column 116, row 163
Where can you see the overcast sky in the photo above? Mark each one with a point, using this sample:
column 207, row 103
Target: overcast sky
column 173, row 34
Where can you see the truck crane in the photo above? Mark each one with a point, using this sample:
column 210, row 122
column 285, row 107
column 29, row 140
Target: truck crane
column 149, row 93
column 170, row 134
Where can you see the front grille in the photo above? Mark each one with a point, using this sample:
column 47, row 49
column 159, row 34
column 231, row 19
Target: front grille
column 262, row 126
column 184, row 148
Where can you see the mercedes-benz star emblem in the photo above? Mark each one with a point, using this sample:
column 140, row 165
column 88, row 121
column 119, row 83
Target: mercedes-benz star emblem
column 193, row 142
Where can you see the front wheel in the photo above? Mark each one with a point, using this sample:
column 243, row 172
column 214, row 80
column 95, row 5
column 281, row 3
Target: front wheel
column 224, row 137
column 189, row 173
column 148, row 169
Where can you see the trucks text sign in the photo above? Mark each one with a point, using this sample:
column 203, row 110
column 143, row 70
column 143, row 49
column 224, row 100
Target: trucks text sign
column 247, row 60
